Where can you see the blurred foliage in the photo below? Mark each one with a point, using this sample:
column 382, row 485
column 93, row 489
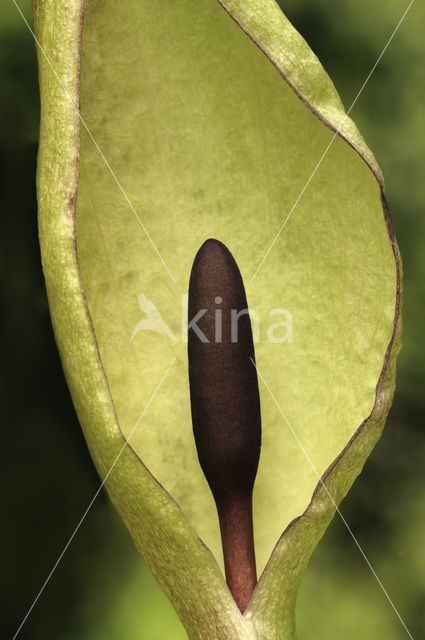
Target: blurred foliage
column 101, row 589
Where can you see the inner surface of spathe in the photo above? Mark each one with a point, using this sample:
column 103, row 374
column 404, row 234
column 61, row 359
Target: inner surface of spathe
column 208, row 140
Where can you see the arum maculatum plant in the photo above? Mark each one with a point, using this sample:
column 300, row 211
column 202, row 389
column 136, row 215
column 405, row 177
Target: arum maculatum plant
column 202, row 122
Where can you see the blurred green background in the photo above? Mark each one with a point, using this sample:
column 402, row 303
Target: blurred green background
column 101, row 589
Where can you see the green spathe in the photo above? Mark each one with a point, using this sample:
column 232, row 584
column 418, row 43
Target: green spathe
column 205, row 131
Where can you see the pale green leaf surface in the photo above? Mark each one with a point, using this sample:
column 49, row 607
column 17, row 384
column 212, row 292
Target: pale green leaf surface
column 207, row 139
